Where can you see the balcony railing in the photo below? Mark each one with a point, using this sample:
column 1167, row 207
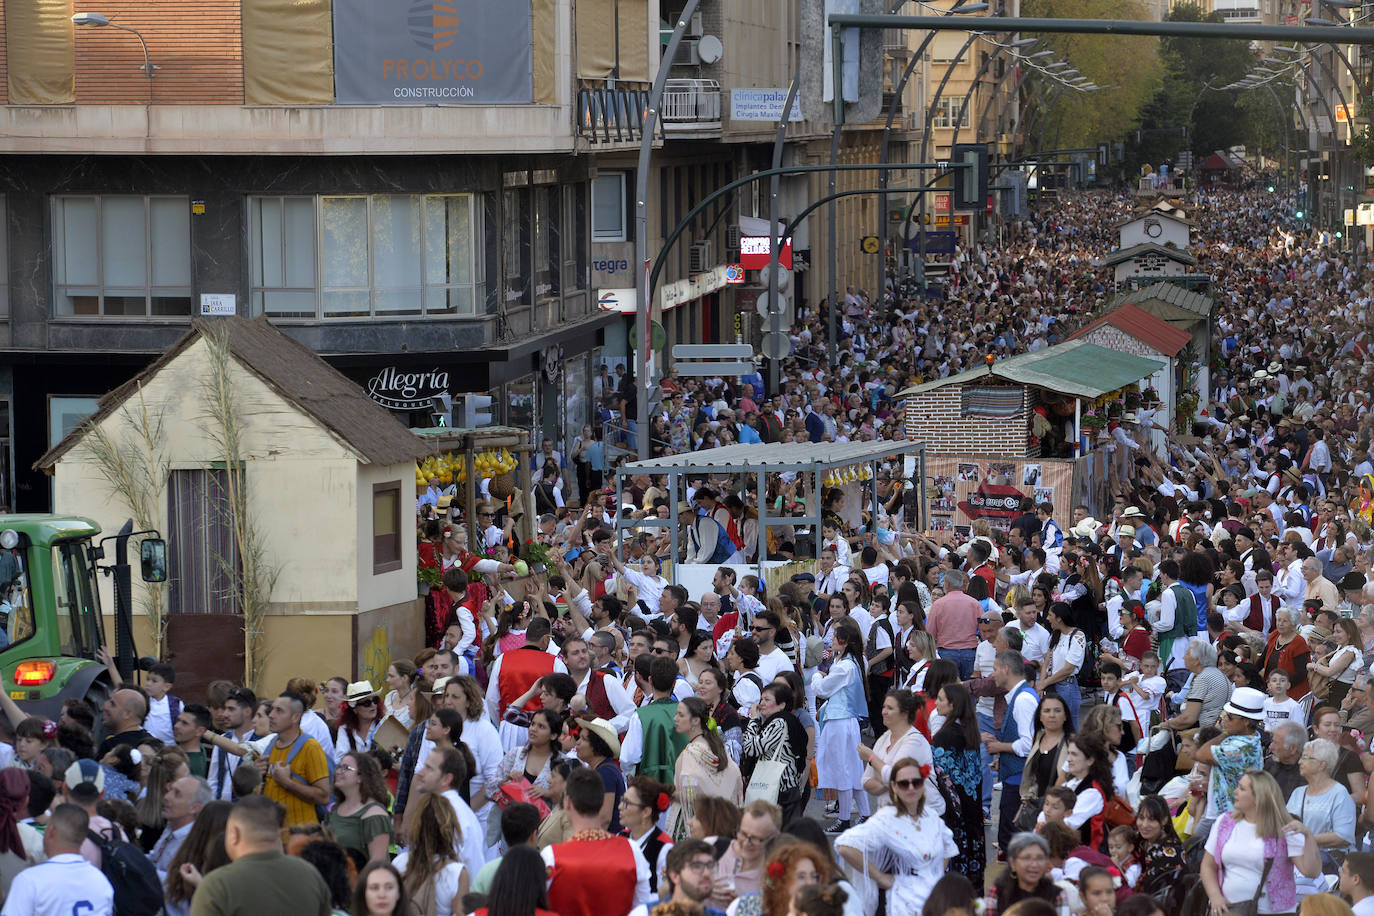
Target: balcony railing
column 691, row 105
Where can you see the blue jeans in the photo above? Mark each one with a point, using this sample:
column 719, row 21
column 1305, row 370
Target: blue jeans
column 1068, row 691
column 961, row 657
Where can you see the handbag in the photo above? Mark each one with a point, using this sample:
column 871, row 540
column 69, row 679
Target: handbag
column 1319, row 684
column 1028, row 813
column 765, row 783
column 1251, row 907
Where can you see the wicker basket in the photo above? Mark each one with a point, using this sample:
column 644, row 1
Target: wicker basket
column 502, row 485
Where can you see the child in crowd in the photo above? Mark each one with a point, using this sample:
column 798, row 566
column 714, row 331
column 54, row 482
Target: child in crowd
column 1097, row 889
column 1058, row 805
column 1278, row 706
column 163, row 707
column 1147, row 686
column 1122, row 844
column 1113, row 695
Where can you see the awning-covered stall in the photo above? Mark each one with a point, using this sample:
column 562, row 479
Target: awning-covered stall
column 817, row 460
column 992, row 408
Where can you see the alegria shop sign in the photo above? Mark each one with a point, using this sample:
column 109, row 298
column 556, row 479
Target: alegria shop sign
column 400, row 390
column 432, row 52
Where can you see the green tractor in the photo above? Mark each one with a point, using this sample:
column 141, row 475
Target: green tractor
column 51, row 628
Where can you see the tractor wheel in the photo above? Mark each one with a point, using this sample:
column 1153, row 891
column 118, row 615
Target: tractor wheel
column 96, row 695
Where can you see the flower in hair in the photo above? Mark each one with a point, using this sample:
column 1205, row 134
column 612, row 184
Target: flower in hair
column 711, row 724
column 662, row 802
column 49, row 729
column 776, row 870
column 925, row 771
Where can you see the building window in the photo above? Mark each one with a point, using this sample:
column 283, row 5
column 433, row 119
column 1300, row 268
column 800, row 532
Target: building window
column 384, row 256
column 122, row 256
column 948, row 110
column 574, row 237
column 609, row 223
column 386, row 527
column 66, row 414
column 4, row 274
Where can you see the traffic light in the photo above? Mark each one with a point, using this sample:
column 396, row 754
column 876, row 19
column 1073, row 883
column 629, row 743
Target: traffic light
column 970, row 186
column 441, row 406
column 476, row 410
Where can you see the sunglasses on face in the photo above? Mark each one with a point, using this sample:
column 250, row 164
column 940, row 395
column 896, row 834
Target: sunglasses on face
column 908, row 783
column 369, row 701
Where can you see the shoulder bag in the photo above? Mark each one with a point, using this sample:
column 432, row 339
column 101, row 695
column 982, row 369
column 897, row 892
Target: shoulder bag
column 1251, row 907
column 765, row 782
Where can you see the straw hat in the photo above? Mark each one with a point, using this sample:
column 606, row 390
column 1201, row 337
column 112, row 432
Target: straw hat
column 359, row 691
column 603, row 730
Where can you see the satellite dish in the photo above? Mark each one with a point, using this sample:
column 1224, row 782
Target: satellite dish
column 709, row 49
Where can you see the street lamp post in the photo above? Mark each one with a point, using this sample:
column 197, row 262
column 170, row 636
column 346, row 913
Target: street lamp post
column 960, row 8
column 98, row 20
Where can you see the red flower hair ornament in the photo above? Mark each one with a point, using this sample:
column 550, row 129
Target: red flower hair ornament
column 776, row 870
column 925, row 771
column 662, row 802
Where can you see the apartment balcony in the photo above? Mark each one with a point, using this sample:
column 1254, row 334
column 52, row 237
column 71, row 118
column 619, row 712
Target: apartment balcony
column 691, row 108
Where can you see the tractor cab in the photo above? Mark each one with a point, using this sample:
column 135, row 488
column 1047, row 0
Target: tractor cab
column 51, row 626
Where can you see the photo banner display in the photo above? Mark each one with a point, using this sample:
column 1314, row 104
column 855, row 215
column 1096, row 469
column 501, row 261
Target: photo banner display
column 961, row 488
column 432, row 52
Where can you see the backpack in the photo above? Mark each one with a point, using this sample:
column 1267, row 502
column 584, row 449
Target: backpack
column 137, row 890
column 321, row 811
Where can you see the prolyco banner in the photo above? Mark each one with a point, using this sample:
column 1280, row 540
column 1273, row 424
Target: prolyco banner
column 432, row 52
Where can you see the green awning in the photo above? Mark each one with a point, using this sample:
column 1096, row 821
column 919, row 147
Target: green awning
column 1076, row 368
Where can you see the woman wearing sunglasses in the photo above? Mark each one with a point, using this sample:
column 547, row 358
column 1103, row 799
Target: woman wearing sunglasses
column 902, row 849
column 359, row 720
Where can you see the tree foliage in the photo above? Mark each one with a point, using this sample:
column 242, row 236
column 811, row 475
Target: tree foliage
column 1127, row 67
column 1192, row 96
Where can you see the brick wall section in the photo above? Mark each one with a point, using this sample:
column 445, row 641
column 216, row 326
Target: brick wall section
column 1113, row 338
column 4, row 59
column 933, row 417
column 197, row 46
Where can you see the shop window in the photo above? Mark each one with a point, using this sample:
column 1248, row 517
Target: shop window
column 127, row 257
column 383, row 256
column 610, row 221
column 386, row 527
column 515, row 237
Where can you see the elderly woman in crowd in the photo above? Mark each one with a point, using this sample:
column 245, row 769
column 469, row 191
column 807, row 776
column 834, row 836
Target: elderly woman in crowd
column 1323, row 804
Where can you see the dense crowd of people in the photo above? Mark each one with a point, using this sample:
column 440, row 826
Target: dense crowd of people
column 1165, row 710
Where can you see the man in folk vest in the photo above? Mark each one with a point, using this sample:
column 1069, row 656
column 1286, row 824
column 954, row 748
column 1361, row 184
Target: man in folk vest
column 593, row 873
column 515, row 673
column 603, row 695
column 1177, row 617
column 1012, row 742
column 651, row 742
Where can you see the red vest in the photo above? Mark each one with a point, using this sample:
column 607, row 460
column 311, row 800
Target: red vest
column 1255, row 619
column 520, row 668
column 593, row 878
column 597, row 701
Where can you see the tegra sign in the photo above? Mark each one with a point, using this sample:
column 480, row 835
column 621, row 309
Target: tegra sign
column 406, row 390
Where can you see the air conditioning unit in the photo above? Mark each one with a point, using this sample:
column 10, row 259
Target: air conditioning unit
column 687, row 54
column 700, row 257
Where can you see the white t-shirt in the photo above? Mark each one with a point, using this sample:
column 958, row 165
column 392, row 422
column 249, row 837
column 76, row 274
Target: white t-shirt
column 1277, row 712
column 772, row 664
column 445, row 883
column 1243, row 861
column 1068, row 651
column 66, row 883
column 1035, row 642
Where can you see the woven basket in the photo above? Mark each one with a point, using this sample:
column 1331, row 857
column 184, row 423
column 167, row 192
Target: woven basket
column 502, row 485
